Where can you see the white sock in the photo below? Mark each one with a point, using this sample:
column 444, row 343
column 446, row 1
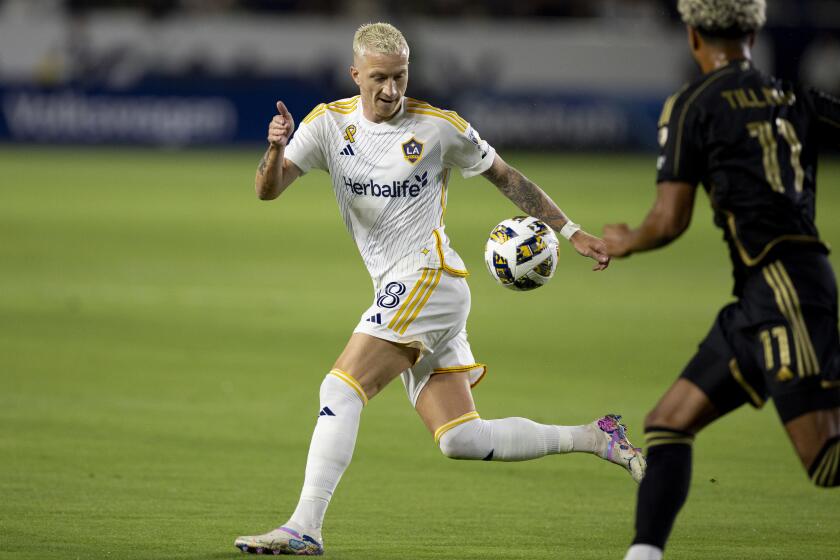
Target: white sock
column 643, row 552
column 329, row 452
column 511, row 439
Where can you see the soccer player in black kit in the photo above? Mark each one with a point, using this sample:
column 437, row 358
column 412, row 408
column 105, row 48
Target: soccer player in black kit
column 752, row 142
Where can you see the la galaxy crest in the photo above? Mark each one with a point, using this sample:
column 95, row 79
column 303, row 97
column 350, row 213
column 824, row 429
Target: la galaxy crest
column 412, row 150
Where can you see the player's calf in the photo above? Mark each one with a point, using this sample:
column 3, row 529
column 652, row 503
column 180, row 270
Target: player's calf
column 664, row 488
column 825, row 470
column 520, row 439
column 509, row 439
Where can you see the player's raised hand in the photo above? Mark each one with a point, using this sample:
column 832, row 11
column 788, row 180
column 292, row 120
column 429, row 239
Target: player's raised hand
column 592, row 247
column 281, row 127
column 618, row 238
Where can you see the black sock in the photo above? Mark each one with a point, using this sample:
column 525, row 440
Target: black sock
column 825, row 470
column 665, row 487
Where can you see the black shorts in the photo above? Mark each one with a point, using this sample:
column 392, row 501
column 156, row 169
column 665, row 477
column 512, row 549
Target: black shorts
column 778, row 340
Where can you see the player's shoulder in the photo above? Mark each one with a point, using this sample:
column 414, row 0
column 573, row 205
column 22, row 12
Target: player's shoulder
column 694, row 95
column 337, row 109
column 442, row 118
column 670, row 104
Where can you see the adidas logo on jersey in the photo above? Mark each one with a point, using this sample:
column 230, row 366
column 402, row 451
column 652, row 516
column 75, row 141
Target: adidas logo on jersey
column 375, row 319
column 347, row 151
column 326, row 412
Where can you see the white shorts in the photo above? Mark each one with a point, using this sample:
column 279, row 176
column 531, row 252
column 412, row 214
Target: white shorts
column 426, row 309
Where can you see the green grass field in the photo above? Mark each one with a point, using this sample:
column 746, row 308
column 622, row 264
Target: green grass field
column 163, row 335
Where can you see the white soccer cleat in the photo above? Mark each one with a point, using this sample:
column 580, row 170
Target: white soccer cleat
column 614, row 446
column 281, row 540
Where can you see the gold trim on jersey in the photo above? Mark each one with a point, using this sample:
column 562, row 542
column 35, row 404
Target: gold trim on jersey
column 788, row 301
column 784, row 306
column 410, row 297
column 427, row 105
column 419, row 302
column 688, row 102
column 810, row 353
column 422, row 108
column 350, row 101
column 414, row 111
column 444, row 183
column 347, row 378
column 416, row 300
column 459, row 369
column 830, row 384
column 446, row 267
column 456, row 422
column 668, row 108
column 342, row 111
column 757, row 401
column 315, row 113
column 480, row 378
column 342, row 107
column 752, row 261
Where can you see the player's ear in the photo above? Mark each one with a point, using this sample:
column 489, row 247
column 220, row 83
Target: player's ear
column 694, row 39
column 354, row 73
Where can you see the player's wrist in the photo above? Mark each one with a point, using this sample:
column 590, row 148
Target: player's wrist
column 569, row 229
column 632, row 243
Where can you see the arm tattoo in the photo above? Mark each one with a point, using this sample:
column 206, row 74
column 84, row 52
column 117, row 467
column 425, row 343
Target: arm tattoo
column 263, row 164
column 528, row 197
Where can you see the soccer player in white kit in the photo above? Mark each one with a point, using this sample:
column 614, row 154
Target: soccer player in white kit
column 390, row 158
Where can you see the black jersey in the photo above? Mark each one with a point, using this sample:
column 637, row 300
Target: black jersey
column 752, row 141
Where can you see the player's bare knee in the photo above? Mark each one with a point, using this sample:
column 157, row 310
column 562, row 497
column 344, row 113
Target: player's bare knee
column 467, row 441
column 673, row 418
column 658, row 418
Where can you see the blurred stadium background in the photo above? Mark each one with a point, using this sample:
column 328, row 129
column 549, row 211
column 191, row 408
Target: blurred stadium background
column 163, row 334
column 576, row 74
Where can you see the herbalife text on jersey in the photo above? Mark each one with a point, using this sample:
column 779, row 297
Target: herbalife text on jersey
column 397, row 189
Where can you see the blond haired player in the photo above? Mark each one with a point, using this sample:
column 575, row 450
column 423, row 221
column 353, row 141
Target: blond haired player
column 390, row 158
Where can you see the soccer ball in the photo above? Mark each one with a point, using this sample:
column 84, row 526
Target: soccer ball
column 521, row 253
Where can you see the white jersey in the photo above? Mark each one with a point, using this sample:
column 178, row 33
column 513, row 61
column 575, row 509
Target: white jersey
column 390, row 178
